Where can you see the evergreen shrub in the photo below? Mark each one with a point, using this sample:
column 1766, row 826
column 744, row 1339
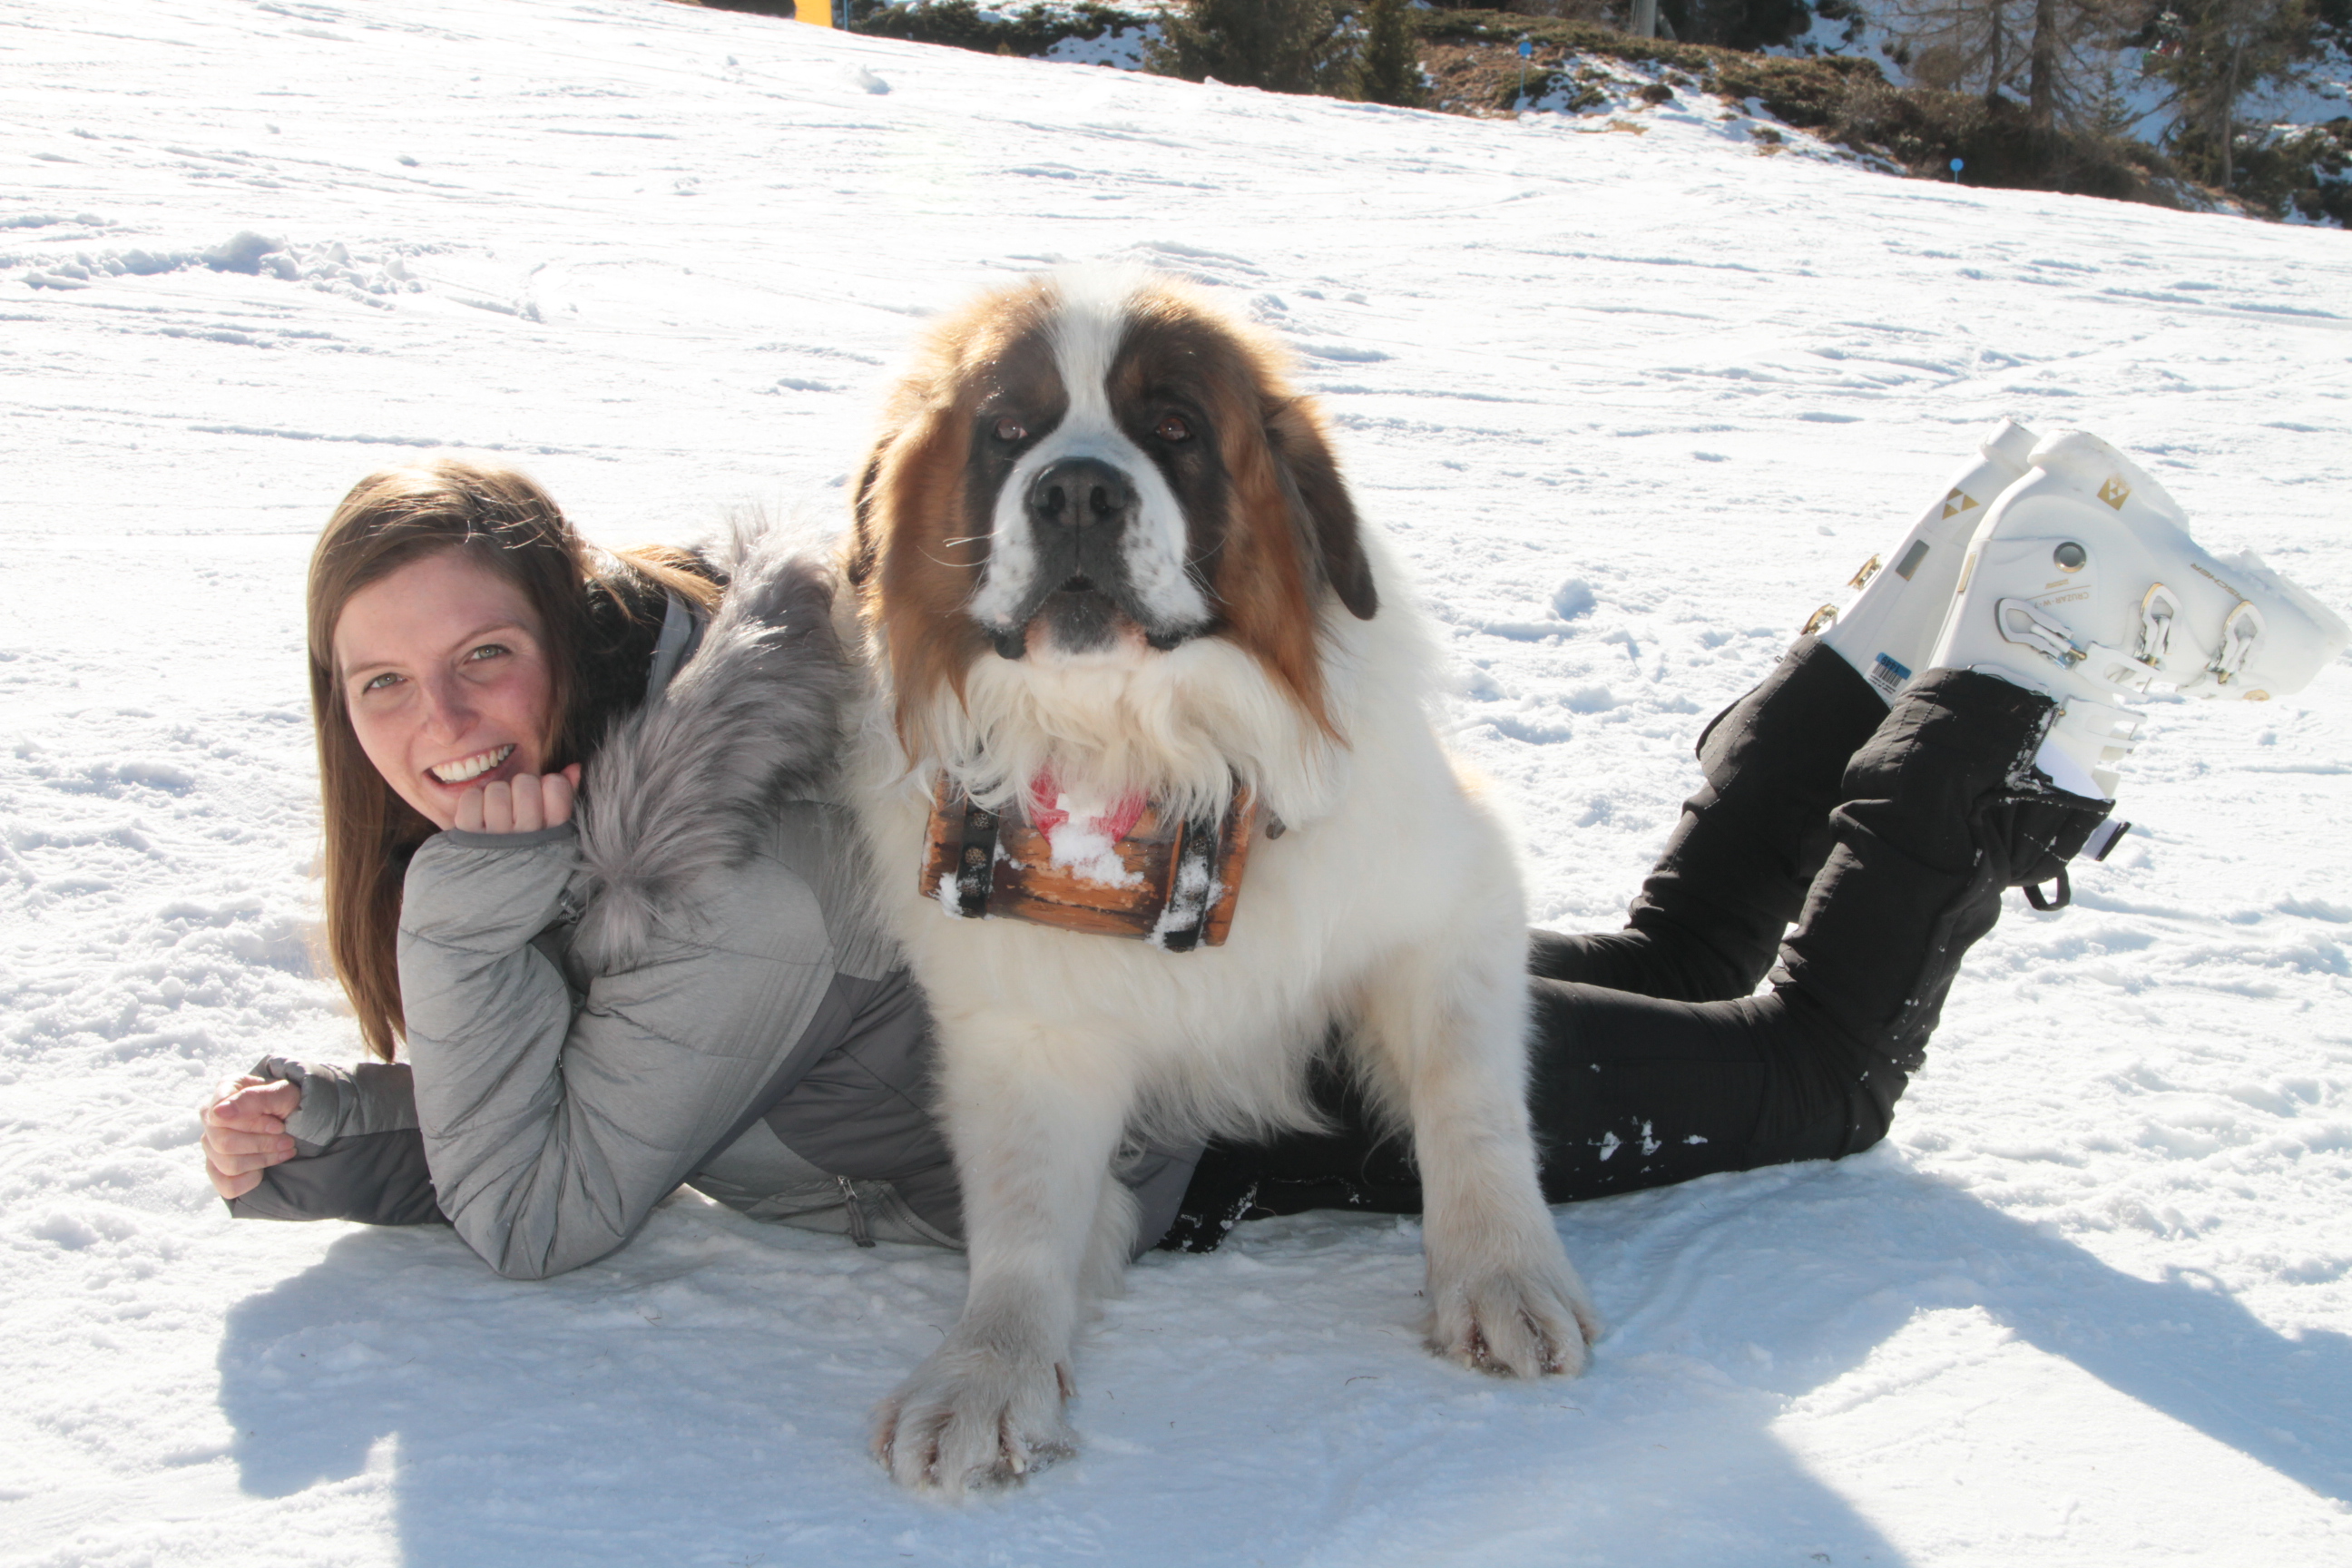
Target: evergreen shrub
column 2300, row 170
column 1388, row 61
column 959, row 24
column 1282, row 45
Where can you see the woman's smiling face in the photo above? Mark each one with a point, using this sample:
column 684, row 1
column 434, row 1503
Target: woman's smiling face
column 444, row 671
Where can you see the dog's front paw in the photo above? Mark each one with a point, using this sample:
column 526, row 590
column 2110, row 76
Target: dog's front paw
column 1514, row 1323
column 973, row 1415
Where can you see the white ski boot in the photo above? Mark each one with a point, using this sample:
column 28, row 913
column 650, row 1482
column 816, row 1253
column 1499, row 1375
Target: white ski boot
column 2082, row 582
column 1888, row 628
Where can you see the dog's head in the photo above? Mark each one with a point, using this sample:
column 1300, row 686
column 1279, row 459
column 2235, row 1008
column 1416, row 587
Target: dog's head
column 1100, row 464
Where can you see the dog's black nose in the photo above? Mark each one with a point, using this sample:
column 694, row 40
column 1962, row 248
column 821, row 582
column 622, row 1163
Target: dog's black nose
column 1080, row 492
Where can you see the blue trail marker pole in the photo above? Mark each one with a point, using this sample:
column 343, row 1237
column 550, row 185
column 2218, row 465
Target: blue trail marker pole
column 1527, row 52
column 1958, row 164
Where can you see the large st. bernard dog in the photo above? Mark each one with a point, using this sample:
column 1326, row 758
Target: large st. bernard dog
column 1108, row 570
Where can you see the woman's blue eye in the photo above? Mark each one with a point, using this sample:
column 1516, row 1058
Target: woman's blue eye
column 487, row 650
column 379, row 682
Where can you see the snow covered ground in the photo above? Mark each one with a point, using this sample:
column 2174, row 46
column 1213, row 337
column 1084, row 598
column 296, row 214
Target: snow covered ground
column 1634, row 403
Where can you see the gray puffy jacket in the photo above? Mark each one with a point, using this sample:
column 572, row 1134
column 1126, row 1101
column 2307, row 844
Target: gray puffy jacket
column 688, row 984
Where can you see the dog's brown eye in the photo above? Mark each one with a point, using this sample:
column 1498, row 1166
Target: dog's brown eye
column 1171, row 427
column 1011, row 430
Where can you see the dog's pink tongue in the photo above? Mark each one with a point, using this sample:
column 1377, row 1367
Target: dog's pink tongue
column 1046, row 791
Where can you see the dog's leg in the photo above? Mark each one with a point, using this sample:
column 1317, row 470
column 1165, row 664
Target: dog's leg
column 1034, row 1118
column 1445, row 1033
column 1110, row 1246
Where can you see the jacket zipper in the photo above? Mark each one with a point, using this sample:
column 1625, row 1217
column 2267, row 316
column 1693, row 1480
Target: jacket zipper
column 857, row 1231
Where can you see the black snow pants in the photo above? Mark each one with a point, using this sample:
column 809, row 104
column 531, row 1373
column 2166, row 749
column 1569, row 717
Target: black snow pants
column 1888, row 837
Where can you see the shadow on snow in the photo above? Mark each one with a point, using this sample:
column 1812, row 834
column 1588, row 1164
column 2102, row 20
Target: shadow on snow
column 702, row 1395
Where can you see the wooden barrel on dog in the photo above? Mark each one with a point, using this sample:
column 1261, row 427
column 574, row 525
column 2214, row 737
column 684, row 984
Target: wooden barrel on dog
column 1167, row 881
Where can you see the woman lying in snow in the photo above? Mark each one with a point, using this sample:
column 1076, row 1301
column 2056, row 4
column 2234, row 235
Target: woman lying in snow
column 471, row 656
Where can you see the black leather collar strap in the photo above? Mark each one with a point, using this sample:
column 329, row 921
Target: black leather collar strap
column 1196, row 885
column 975, row 872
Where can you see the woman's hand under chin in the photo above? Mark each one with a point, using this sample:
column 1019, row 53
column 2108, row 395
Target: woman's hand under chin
column 523, row 803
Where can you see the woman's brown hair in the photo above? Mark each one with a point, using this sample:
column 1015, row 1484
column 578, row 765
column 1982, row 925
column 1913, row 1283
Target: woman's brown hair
column 504, row 522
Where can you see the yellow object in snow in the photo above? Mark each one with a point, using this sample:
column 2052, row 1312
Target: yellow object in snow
column 817, row 12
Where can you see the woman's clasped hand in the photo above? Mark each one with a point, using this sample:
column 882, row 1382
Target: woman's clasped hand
column 525, row 803
column 245, row 1132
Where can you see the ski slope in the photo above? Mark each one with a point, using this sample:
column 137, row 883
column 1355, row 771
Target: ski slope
column 1634, row 396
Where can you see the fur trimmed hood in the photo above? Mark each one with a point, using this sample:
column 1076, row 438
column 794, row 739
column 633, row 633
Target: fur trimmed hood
column 691, row 781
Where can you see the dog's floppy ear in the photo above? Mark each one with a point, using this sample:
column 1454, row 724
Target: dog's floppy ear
column 864, row 546
column 909, row 521
column 895, row 481
column 1320, row 502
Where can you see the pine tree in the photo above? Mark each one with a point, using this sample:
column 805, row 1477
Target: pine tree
column 2068, row 49
column 2226, row 47
column 1963, row 46
column 2045, row 52
column 1389, row 63
column 1283, row 46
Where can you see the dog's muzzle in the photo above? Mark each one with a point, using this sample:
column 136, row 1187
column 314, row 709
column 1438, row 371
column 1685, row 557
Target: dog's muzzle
column 1081, row 512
